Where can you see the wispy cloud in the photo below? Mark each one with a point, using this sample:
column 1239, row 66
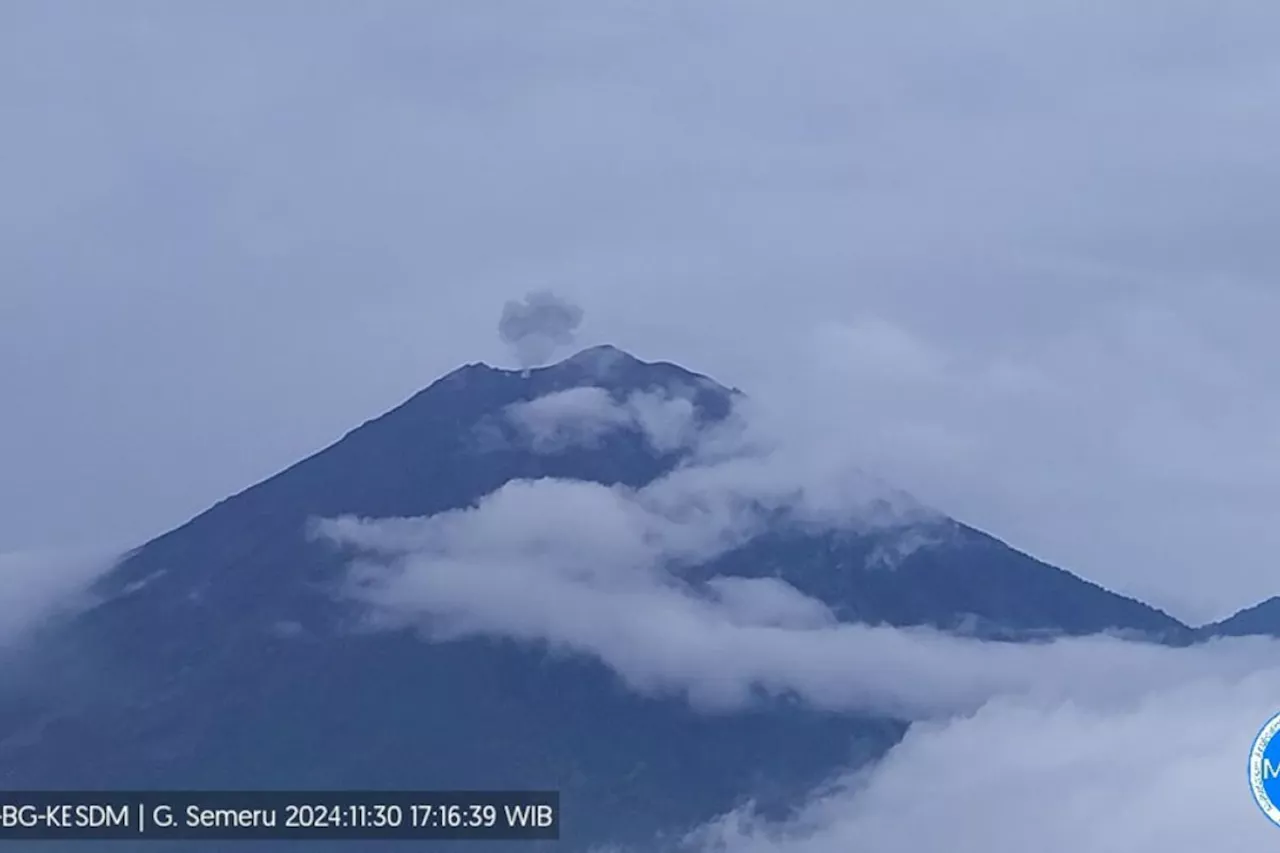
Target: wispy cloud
column 1090, row 744
column 503, row 571
column 577, row 416
column 598, row 571
column 38, row 585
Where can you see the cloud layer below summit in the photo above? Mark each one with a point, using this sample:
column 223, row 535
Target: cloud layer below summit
column 1162, row 774
column 1089, row 744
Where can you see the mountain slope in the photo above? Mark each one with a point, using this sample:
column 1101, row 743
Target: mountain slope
column 945, row 575
column 1262, row 619
column 219, row 657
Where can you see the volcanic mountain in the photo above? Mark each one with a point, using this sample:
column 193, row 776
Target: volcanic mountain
column 218, row 655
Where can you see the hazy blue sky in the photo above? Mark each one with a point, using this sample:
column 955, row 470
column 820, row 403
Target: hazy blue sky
column 1025, row 252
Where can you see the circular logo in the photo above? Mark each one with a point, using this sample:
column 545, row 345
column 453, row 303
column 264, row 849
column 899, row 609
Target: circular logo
column 1264, row 769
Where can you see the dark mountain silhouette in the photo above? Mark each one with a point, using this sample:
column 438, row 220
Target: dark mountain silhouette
column 1262, row 619
column 184, row 677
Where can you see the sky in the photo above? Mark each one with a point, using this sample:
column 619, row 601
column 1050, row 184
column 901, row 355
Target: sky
column 1020, row 256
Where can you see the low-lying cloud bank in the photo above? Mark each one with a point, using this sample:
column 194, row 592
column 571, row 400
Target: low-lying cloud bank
column 596, row 570
column 499, row 572
column 1082, row 744
column 1070, row 746
column 1165, row 774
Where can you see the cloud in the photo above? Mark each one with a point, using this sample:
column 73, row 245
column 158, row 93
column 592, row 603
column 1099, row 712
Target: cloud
column 36, row 586
column 754, row 455
column 1082, row 745
column 1032, row 247
column 888, row 555
column 583, row 415
column 1162, row 774
column 599, row 571
column 503, row 571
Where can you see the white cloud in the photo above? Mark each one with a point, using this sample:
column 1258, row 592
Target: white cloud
column 1164, row 773
column 1082, row 745
column 971, row 209
column 888, row 555
column 583, row 415
column 720, row 645
column 597, row 570
column 753, row 459
column 38, row 585
column 1085, row 745
column 669, row 423
column 767, row 602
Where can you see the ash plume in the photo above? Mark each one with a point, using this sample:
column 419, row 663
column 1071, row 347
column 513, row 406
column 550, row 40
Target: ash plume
column 538, row 325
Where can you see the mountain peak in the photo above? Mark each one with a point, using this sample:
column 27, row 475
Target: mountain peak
column 219, row 658
column 601, row 360
column 603, row 365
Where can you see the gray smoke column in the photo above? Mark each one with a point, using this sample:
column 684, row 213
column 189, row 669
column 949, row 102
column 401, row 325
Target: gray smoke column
column 539, row 325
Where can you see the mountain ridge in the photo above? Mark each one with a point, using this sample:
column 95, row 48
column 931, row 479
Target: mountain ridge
column 491, row 388
column 1261, row 619
column 184, row 675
